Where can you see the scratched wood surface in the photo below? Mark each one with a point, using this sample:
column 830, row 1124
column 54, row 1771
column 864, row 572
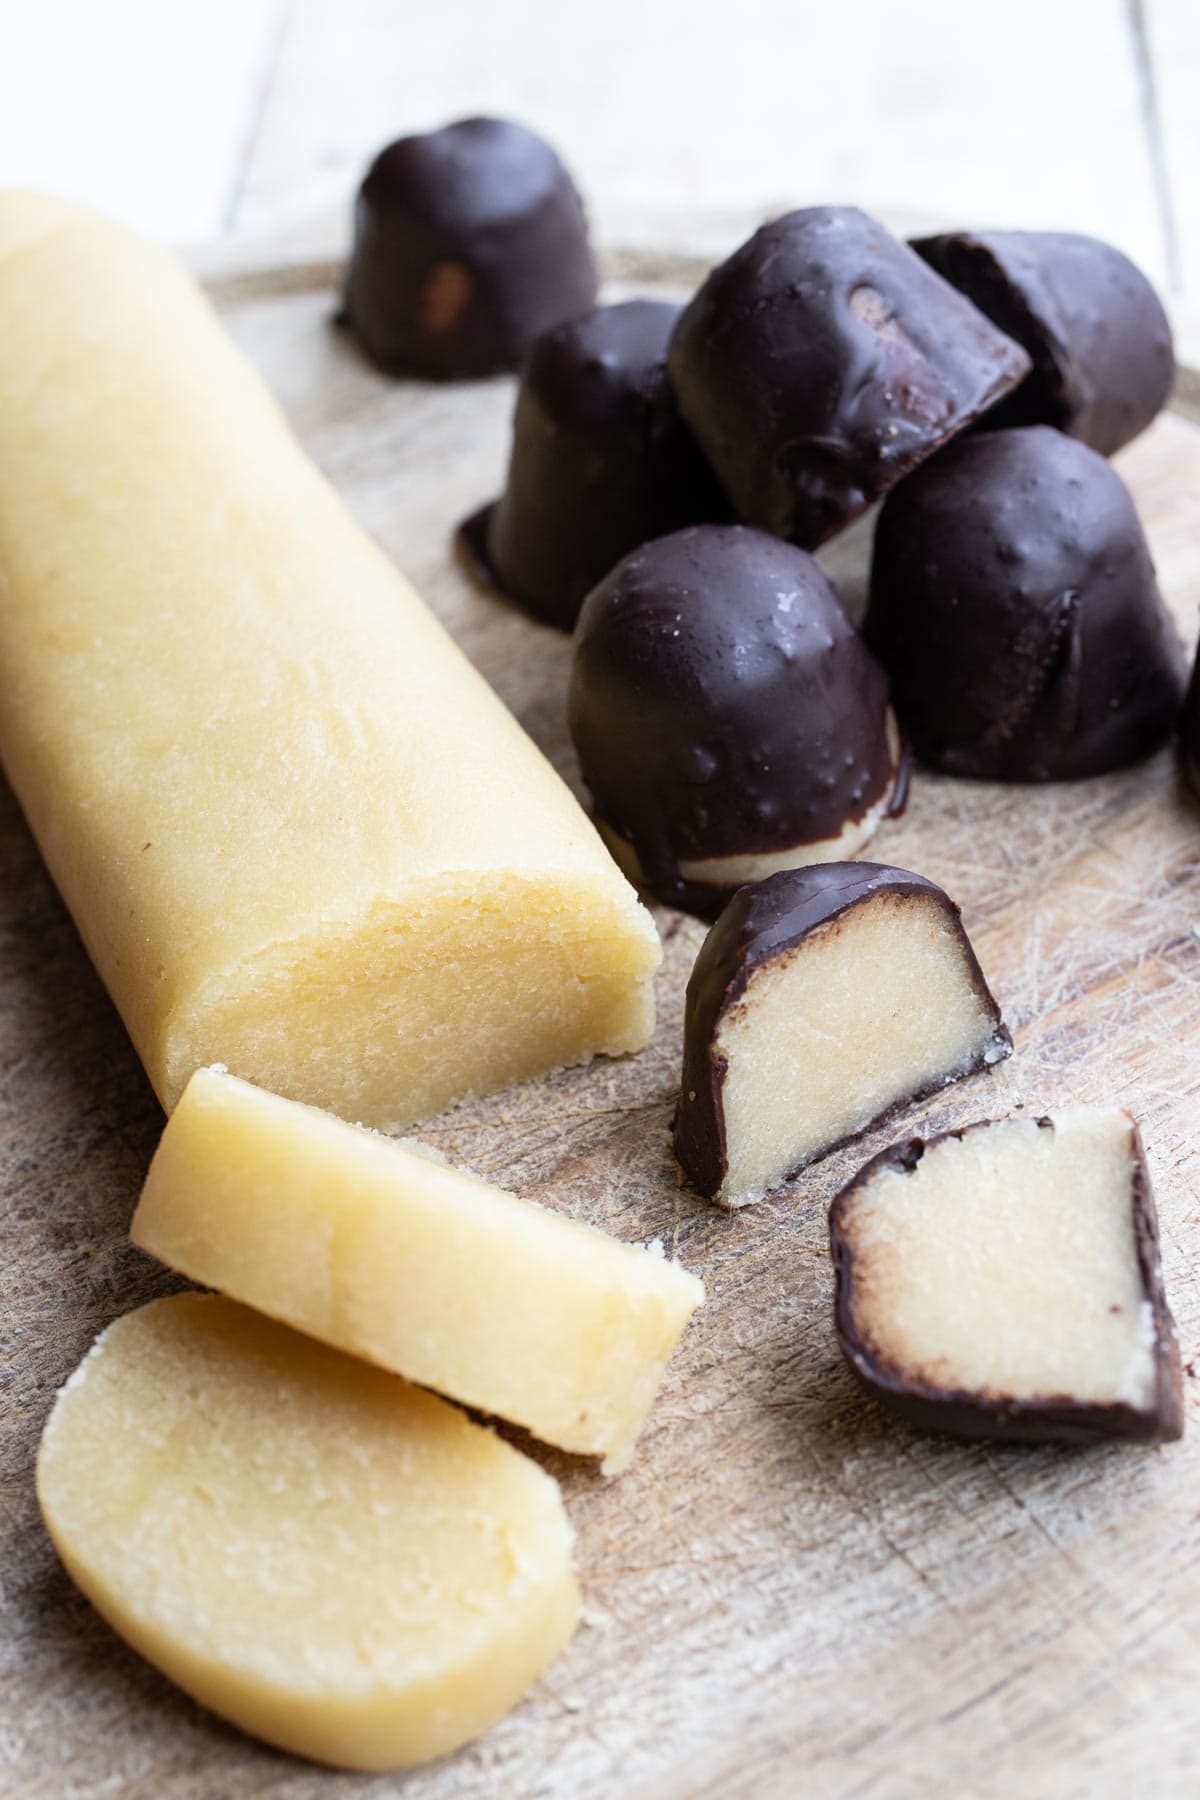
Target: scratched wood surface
column 786, row 1594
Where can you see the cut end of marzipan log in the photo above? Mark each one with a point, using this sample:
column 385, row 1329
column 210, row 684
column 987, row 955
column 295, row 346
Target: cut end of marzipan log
column 331, row 1559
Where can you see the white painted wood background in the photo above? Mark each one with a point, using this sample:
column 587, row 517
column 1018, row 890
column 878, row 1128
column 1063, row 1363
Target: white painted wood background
column 685, row 121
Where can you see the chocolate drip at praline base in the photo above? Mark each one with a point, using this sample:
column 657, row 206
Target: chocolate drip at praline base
column 1014, row 605
column 722, row 705
column 1096, row 330
column 469, row 243
column 601, row 462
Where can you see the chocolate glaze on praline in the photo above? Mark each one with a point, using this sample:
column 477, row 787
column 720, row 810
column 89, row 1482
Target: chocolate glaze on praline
column 601, row 461
column 722, row 704
column 469, row 243
column 1096, row 330
column 1053, row 1418
column 1014, row 605
column 823, row 361
column 763, row 920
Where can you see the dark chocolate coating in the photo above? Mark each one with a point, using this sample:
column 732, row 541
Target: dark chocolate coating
column 764, row 919
column 822, row 362
column 469, row 243
column 1103, row 363
column 722, row 704
column 1053, row 1418
column 1189, row 729
column 601, row 461
column 1014, row 605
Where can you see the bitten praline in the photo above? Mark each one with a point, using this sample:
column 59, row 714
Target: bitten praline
column 1014, row 605
column 601, row 461
column 1096, row 330
column 822, row 362
column 729, row 720
column 469, row 243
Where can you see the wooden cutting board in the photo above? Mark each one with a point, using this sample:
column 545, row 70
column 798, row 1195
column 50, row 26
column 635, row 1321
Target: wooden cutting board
column 786, row 1594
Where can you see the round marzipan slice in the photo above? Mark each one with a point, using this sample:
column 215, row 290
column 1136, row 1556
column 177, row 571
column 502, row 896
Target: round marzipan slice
column 335, row 1561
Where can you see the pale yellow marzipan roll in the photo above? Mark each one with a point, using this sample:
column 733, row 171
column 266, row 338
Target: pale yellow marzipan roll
column 298, row 832
column 368, row 1243
column 336, row 1561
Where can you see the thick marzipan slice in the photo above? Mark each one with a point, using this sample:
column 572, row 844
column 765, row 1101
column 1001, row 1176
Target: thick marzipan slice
column 335, row 1561
column 1003, row 1281
column 375, row 1247
column 298, row 832
column 822, row 998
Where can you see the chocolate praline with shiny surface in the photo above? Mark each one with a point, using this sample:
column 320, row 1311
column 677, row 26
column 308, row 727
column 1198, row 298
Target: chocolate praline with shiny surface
column 822, row 362
column 1014, row 605
column 1100, row 340
column 601, row 461
column 469, row 242
column 728, row 719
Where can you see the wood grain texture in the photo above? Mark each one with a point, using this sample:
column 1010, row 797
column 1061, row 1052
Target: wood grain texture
column 787, row 1593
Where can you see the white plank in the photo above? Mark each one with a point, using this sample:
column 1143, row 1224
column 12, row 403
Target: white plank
column 143, row 109
column 687, row 125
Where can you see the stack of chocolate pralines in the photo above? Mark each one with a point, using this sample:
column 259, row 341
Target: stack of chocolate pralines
column 672, row 471
column 674, row 468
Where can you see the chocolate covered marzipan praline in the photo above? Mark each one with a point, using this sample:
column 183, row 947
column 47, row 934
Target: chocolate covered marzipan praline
column 1015, row 608
column 728, row 718
column 469, row 243
column 898, row 1009
column 1017, row 1294
column 1100, row 340
column 822, row 362
column 601, row 461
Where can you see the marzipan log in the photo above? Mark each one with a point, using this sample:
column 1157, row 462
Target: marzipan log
column 298, row 833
